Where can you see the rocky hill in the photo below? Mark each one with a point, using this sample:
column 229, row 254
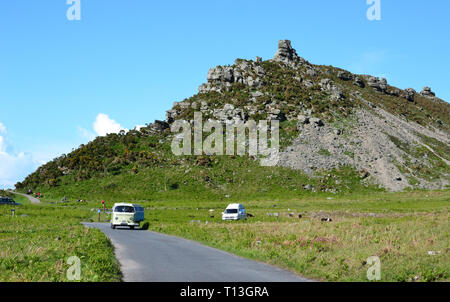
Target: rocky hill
column 329, row 117
column 398, row 137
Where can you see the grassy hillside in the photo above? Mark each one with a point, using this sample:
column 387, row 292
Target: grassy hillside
column 221, row 178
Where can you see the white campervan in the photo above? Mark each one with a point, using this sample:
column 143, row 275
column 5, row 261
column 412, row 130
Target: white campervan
column 234, row 211
column 127, row 214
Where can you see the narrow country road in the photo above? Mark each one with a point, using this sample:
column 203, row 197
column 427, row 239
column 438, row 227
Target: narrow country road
column 32, row 199
column 152, row 257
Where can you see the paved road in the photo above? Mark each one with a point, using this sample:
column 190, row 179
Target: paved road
column 152, row 257
column 30, row 198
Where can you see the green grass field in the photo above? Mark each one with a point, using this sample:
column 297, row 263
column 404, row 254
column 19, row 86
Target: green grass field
column 36, row 243
column 400, row 228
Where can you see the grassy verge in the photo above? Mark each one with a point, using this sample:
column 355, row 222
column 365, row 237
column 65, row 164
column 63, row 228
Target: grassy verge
column 401, row 229
column 36, row 243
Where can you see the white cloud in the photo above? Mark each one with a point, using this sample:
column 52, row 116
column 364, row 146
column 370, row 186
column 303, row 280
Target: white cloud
column 2, row 145
column 104, row 125
column 14, row 167
column 2, row 139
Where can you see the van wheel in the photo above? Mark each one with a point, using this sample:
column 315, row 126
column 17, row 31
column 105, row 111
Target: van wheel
column 132, row 227
column 113, row 226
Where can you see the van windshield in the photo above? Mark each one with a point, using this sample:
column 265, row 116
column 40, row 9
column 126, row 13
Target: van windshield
column 124, row 209
column 231, row 211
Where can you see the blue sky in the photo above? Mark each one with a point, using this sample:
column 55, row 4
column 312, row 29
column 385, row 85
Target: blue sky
column 125, row 62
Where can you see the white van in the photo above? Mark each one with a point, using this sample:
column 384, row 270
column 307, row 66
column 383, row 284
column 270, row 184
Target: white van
column 234, row 211
column 127, row 214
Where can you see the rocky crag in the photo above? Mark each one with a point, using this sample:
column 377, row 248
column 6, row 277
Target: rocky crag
column 397, row 138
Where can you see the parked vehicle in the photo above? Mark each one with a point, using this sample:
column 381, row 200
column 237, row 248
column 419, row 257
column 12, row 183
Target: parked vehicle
column 127, row 214
column 8, row 201
column 235, row 211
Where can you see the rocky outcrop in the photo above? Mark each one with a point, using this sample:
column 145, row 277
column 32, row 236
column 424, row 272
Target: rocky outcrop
column 221, row 74
column 245, row 72
column 287, row 54
column 358, row 82
column 276, row 114
column 371, row 140
column 393, row 91
column 344, row 75
column 335, row 91
column 409, row 94
column 377, row 83
column 426, row 92
column 230, row 115
column 160, row 125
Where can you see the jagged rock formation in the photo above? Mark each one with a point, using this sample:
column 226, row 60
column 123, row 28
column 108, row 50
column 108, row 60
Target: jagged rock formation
column 373, row 135
column 426, row 91
column 377, row 83
column 286, row 54
column 244, row 72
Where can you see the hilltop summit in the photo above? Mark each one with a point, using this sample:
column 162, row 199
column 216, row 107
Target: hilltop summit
column 286, row 53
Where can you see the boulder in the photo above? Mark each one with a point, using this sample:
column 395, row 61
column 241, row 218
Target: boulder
column 394, row 91
column 160, row 125
column 317, row 122
column 308, row 83
column 245, row 72
column 408, row 94
column 311, row 72
column 427, row 92
column 343, row 75
column 377, row 83
column 230, row 114
column 208, row 87
column 336, row 92
column 303, row 119
column 286, row 54
column 250, row 81
column 257, row 94
column 276, row 114
column 204, row 106
column 171, row 116
column 358, row 82
column 221, row 74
